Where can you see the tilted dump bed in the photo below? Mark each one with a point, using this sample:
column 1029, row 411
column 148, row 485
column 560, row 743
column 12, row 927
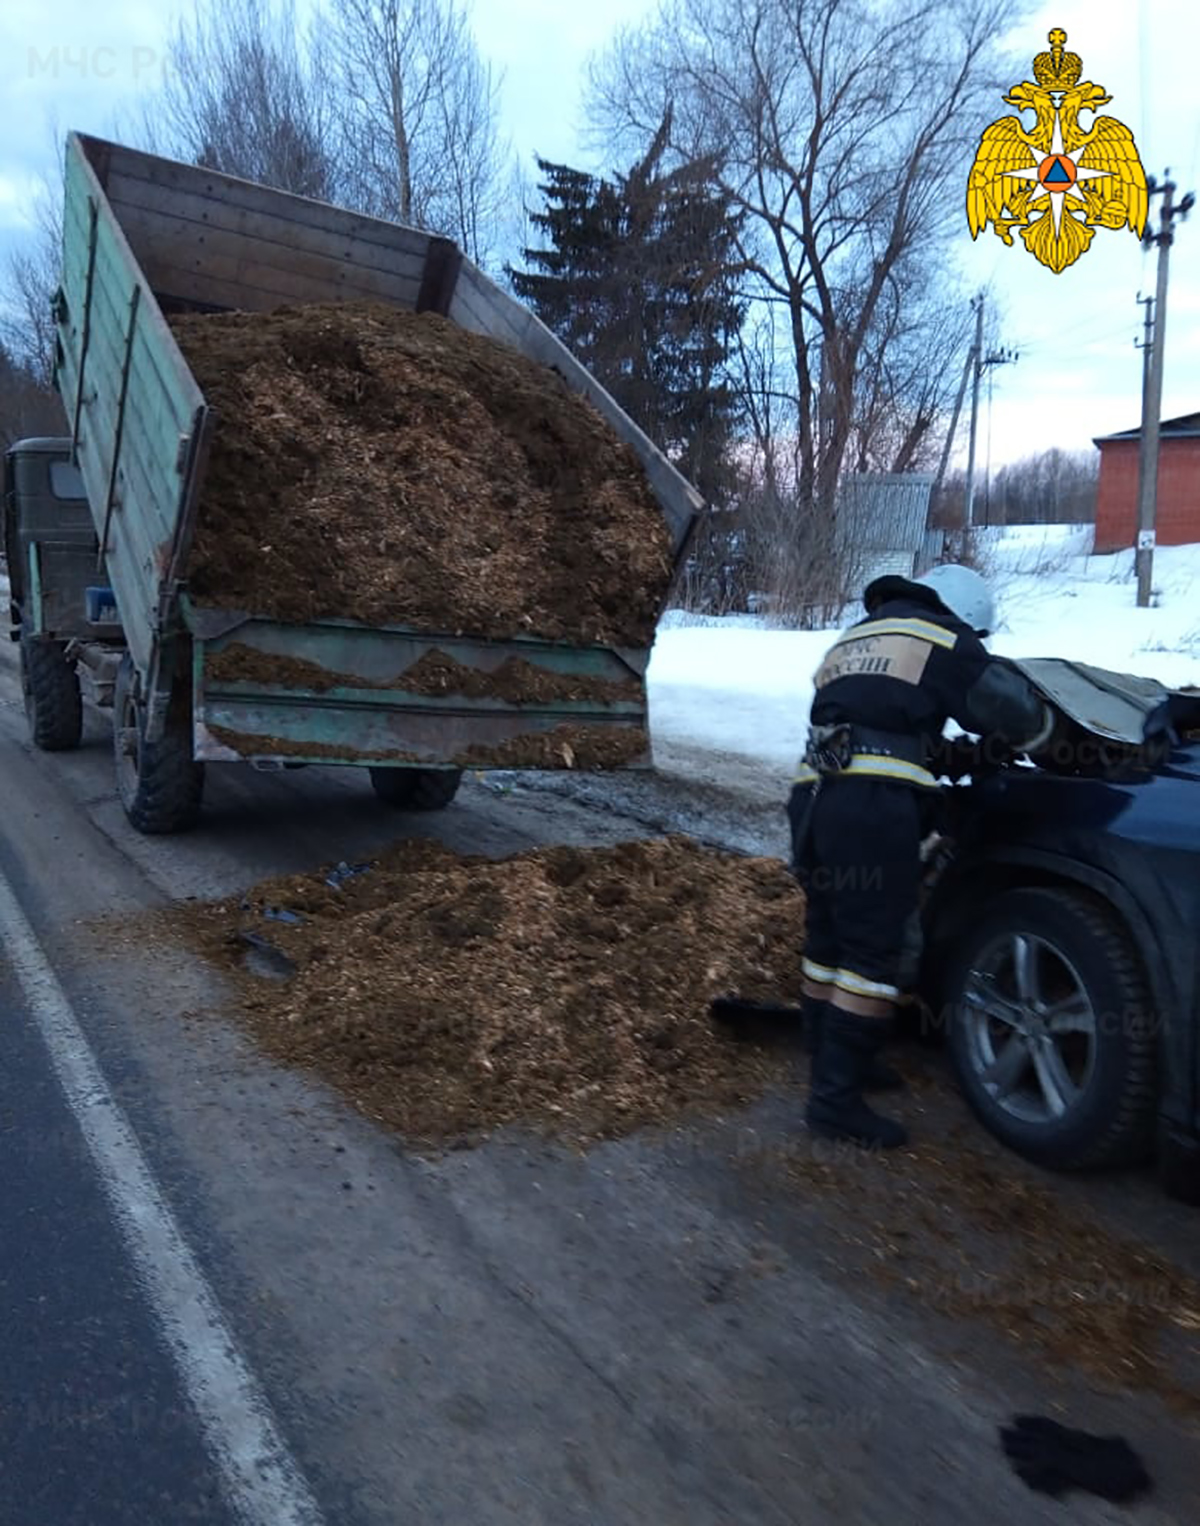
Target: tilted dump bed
column 144, row 236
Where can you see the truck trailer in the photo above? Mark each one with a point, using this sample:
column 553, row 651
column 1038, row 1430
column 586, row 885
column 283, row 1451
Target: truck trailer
column 99, row 523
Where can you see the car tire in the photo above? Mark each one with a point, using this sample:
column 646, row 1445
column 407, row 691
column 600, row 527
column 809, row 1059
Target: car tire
column 1085, row 1093
column 416, row 789
column 159, row 783
column 53, row 703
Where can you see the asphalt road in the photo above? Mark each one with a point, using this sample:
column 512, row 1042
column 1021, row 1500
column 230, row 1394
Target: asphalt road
column 92, row 1426
column 649, row 1333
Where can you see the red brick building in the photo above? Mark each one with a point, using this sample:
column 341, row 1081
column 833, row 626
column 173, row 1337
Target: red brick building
column 1178, row 485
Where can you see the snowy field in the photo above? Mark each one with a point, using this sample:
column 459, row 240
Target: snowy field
column 729, row 699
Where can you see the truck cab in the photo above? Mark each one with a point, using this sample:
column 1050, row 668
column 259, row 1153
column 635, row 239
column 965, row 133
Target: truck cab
column 60, row 606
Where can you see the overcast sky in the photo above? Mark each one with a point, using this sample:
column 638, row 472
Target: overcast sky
column 83, row 64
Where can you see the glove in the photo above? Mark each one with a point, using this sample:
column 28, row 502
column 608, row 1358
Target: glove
column 1052, row 1458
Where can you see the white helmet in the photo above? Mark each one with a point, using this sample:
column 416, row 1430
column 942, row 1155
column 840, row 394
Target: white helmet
column 965, row 594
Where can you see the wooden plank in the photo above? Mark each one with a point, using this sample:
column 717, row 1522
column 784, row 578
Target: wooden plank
column 110, row 305
column 156, row 426
column 131, row 566
column 473, row 309
column 175, row 254
column 174, row 286
column 469, row 306
column 133, row 197
column 161, row 404
column 280, row 209
column 200, row 446
column 136, row 533
column 123, row 572
column 75, row 215
column 82, row 180
column 160, row 423
column 148, row 487
column 150, row 421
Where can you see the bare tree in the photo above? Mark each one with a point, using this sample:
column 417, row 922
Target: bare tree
column 909, row 370
column 243, row 94
column 843, row 127
column 1055, row 487
column 27, row 405
column 515, row 229
column 32, row 276
column 418, row 117
column 32, row 280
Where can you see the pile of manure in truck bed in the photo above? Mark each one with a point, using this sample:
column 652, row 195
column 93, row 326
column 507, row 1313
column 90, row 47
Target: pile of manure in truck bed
column 564, row 987
column 379, row 465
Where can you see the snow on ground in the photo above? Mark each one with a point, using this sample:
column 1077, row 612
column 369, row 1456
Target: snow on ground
column 730, row 698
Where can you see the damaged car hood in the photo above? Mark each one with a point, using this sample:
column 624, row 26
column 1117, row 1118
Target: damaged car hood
column 1126, row 719
column 1115, row 706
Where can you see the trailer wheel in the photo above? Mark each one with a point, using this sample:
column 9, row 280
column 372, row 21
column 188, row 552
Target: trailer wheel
column 416, row 789
column 53, row 704
column 160, row 783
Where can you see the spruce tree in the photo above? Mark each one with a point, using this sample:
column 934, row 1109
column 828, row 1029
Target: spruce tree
column 637, row 278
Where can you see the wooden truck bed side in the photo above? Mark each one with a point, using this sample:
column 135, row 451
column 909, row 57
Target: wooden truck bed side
column 135, row 412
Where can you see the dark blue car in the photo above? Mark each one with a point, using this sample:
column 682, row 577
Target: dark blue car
column 1063, row 954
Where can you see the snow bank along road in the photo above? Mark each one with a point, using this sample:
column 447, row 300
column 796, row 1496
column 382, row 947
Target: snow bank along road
column 225, row 1298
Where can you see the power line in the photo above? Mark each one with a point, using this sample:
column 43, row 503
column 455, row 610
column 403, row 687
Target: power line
column 1081, row 328
column 1064, row 342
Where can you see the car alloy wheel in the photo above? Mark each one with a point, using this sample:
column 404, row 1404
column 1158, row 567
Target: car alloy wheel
column 1030, row 1027
column 1053, row 1029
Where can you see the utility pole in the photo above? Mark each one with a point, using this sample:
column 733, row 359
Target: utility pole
column 980, row 363
column 958, row 402
column 1146, row 345
column 996, row 358
column 1152, row 383
column 977, row 353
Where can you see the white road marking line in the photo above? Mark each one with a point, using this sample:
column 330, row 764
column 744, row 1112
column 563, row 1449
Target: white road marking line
column 261, row 1479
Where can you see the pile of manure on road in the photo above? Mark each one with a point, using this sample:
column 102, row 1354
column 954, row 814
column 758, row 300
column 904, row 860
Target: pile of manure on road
column 564, row 987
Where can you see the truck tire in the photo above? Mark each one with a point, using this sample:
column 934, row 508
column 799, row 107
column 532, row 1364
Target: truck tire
column 53, row 704
column 160, row 784
column 416, row 789
column 1055, row 974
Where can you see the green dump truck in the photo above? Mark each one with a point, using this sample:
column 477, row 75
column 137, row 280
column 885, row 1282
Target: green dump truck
column 98, row 525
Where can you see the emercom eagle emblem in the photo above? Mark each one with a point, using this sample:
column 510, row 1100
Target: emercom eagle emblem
column 1056, row 181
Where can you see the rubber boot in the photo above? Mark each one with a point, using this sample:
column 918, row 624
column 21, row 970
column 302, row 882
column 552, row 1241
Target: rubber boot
column 836, row 1109
column 880, row 1077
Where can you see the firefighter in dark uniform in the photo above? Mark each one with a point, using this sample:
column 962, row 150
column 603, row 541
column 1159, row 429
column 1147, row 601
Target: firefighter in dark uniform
column 860, row 809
